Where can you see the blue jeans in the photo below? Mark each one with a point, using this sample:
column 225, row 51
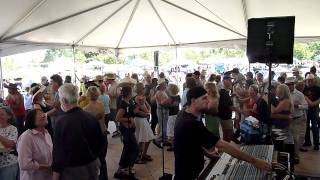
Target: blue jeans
column 130, row 149
column 10, row 172
column 20, row 124
column 313, row 117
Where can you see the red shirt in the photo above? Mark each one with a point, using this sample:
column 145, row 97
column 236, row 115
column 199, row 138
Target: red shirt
column 12, row 100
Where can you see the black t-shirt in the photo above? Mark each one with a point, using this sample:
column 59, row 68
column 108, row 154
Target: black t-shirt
column 225, row 102
column 174, row 108
column 313, row 93
column 128, row 108
column 190, row 136
column 262, row 110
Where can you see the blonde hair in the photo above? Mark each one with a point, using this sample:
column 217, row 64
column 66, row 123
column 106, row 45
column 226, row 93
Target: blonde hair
column 93, row 93
column 254, row 87
column 212, row 89
column 173, row 89
column 283, row 93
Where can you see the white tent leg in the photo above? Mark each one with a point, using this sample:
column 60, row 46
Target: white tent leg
column 117, row 62
column 176, row 66
column 1, row 81
column 74, row 64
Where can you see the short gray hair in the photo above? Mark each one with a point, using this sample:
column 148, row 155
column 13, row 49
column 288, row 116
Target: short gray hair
column 69, row 93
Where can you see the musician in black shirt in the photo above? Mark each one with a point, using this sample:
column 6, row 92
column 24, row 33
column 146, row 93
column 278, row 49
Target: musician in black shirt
column 191, row 137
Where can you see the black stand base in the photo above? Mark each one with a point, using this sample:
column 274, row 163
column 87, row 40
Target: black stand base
column 166, row 177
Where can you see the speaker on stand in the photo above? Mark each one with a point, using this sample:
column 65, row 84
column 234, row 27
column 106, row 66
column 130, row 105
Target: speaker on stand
column 270, row 40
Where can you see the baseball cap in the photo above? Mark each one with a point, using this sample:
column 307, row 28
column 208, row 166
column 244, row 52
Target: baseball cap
column 227, row 77
column 194, row 93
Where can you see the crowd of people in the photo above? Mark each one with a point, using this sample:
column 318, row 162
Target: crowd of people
column 58, row 130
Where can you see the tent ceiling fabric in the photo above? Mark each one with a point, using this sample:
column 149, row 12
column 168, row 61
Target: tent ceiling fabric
column 122, row 24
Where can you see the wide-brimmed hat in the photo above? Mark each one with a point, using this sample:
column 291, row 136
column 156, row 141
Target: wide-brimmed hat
column 290, row 80
column 11, row 86
column 161, row 81
column 110, row 76
column 127, row 80
column 44, row 80
column 295, row 69
column 98, row 78
column 40, row 90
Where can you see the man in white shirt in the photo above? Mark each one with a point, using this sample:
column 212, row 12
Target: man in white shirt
column 113, row 92
column 298, row 117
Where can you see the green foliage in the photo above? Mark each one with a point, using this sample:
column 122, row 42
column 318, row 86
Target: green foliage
column 9, row 64
column 80, row 56
column 306, row 51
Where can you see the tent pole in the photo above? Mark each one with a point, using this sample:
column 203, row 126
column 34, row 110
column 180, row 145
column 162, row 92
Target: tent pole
column 74, row 63
column 117, row 61
column 176, row 66
column 1, row 80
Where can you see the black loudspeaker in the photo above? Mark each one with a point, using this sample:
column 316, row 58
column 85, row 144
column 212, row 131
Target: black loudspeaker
column 156, row 58
column 271, row 39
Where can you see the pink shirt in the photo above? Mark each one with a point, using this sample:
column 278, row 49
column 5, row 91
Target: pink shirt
column 34, row 148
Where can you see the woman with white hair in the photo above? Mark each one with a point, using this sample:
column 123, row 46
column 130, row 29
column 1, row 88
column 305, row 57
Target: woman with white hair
column 285, row 107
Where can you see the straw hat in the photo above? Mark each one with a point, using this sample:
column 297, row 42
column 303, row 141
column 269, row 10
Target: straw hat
column 40, row 90
column 110, row 76
column 127, row 80
column 295, row 69
column 161, row 81
column 290, row 80
column 99, row 78
column 11, row 86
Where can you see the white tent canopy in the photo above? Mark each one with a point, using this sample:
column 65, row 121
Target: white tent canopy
column 120, row 24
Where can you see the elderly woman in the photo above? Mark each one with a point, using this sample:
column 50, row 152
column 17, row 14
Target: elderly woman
column 39, row 103
column 96, row 108
column 35, row 148
column 284, row 108
column 8, row 138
